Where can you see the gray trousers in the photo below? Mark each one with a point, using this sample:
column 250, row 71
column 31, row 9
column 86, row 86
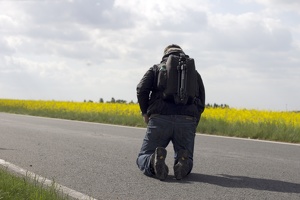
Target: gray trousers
column 162, row 129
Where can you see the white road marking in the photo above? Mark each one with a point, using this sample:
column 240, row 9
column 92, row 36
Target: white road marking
column 60, row 188
column 249, row 139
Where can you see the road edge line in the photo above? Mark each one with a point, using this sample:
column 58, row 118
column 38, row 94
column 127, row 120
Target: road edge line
column 248, row 139
column 65, row 190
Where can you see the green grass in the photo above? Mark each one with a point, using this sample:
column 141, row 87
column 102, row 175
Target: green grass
column 263, row 131
column 14, row 187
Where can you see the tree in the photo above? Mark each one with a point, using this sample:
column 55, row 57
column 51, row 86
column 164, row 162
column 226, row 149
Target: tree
column 120, row 101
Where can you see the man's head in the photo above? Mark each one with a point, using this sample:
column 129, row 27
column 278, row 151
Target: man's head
column 172, row 48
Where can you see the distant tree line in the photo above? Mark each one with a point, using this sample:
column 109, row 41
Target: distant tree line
column 113, row 100
column 216, row 105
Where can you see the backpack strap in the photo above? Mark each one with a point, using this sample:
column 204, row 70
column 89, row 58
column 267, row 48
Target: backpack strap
column 156, row 91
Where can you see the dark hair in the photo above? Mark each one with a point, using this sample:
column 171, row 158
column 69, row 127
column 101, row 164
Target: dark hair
column 171, row 48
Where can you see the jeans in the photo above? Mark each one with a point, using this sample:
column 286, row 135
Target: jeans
column 162, row 129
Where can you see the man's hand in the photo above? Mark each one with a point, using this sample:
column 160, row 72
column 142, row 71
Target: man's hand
column 146, row 118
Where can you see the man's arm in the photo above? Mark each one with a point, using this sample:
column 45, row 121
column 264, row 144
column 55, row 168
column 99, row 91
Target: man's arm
column 143, row 90
column 201, row 104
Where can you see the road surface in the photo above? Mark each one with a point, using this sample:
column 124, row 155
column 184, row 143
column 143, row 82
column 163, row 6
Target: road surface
column 99, row 160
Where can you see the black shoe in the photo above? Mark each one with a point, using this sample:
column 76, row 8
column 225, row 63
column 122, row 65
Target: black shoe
column 161, row 170
column 181, row 169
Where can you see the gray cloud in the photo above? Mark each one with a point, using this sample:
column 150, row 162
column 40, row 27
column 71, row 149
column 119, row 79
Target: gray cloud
column 94, row 13
column 5, row 49
column 252, row 38
column 75, row 50
column 191, row 21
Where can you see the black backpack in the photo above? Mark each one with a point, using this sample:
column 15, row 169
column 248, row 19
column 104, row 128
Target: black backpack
column 177, row 79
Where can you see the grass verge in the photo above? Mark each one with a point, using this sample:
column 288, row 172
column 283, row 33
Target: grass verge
column 262, row 131
column 14, row 187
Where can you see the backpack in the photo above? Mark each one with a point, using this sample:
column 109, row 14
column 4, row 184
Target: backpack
column 177, row 79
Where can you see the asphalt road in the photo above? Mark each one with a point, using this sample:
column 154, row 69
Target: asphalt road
column 99, row 160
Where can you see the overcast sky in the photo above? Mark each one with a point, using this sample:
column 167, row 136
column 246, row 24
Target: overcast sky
column 247, row 51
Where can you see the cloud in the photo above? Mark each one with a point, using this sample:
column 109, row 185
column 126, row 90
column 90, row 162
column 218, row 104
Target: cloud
column 281, row 5
column 59, row 27
column 94, row 13
column 77, row 49
column 5, row 48
column 248, row 32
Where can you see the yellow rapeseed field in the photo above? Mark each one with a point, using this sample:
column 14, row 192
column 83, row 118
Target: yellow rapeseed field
column 230, row 115
column 78, row 107
column 254, row 116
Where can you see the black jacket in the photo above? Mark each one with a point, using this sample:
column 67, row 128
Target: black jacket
column 150, row 101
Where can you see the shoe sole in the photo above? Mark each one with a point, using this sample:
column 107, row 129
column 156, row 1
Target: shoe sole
column 160, row 168
column 181, row 169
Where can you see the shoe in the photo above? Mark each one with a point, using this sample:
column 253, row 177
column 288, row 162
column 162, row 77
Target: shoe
column 161, row 170
column 181, row 169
